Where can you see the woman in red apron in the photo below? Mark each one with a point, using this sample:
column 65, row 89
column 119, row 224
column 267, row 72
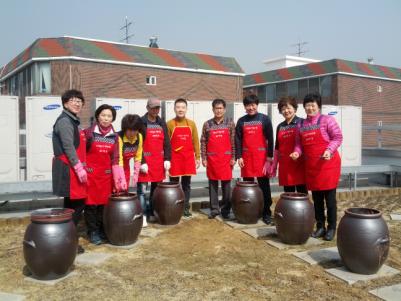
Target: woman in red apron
column 156, row 154
column 102, row 166
column 69, row 176
column 319, row 138
column 185, row 153
column 254, row 149
column 291, row 173
column 217, row 152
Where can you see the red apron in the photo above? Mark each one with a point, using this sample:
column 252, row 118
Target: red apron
column 218, row 151
column 78, row 190
column 320, row 174
column 129, row 152
column 100, row 176
column 182, row 152
column 153, row 151
column 254, row 149
column 290, row 172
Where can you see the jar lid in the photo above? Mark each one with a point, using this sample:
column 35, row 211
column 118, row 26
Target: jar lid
column 52, row 215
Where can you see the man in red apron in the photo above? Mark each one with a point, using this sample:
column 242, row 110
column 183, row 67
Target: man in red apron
column 320, row 137
column 218, row 156
column 185, row 154
column 69, row 147
column 156, row 153
column 254, row 149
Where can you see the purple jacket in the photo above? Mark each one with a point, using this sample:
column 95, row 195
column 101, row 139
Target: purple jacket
column 329, row 128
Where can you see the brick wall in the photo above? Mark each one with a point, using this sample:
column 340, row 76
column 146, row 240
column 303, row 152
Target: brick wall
column 112, row 80
column 384, row 106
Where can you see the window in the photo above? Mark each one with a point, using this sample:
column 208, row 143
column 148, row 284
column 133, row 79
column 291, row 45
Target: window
column 292, row 88
column 41, row 78
column 302, row 88
column 261, row 92
column 281, row 90
column 270, row 92
column 325, row 86
column 313, row 85
column 151, row 80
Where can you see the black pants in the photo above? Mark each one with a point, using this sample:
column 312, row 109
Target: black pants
column 297, row 188
column 186, row 187
column 78, row 205
column 214, row 196
column 264, row 184
column 94, row 217
column 331, row 204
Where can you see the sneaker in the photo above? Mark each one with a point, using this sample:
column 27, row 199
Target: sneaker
column 212, row 215
column 80, row 250
column 319, row 232
column 94, row 238
column 102, row 235
column 187, row 213
column 145, row 223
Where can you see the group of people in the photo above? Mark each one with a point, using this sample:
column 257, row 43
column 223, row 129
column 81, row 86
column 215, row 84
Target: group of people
column 91, row 164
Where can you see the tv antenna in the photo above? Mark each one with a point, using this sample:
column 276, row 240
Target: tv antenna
column 126, row 27
column 300, row 50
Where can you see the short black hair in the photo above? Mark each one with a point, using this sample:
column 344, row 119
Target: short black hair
column 313, row 97
column 183, row 100
column 285, row 101
column 132, row 122
column 218, row 101
column 249, row 99
column 105, row 107
column 67, row 95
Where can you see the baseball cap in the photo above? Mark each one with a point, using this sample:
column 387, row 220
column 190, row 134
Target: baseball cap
column 153, row 103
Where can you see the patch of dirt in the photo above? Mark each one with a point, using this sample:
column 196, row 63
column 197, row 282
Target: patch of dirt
column 199, row 259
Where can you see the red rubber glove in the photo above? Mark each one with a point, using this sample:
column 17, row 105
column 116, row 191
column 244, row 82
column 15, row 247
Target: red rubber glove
column 81, row 172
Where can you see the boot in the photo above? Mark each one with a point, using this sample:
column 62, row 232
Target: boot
column 94, row 238
column 320, row 232
column 330, row 234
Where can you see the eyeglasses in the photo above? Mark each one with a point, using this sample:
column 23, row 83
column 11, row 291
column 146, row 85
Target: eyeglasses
column 76, row 101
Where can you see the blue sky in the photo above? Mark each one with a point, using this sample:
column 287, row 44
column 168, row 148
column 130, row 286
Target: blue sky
column 251, row 31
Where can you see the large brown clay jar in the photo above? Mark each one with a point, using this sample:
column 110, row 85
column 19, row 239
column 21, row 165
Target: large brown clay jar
column 363, row 240
column 247, row 202
column 168, row 203
column 123, row 219
column 50, row 243
column 294, row 216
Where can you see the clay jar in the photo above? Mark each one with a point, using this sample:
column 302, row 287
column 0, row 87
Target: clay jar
column 50, row 243
column 168, row 203
column 122, row 219
column 247, row 202
column 294, row 216
column 363, row 240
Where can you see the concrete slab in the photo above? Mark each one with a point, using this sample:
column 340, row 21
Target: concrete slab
column 319, row 256
column 349, row 277
column 395, row 216
column 150, row 232
column 51, row 282
column 388, row 293
column 261, row 233
column 11, row 297
column 92, row 258
column 127, row 247
column 234, row 224
column 275, row 242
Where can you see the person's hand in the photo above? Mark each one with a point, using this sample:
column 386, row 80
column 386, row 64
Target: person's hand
column 294, row 155
column 232, row 162
column 326, row 155
column 167, row 165
column 144, row 168
column 266, row 168
column 204, row 163
column 119, row 178
column 241, row 163
column 81, row 172
column 197, row 163
column 137, row 166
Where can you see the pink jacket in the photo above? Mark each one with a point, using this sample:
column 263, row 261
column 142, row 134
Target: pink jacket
column 329, row 128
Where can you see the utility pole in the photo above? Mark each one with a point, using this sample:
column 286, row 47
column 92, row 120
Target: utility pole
column 300, row 45
column 126, row 27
